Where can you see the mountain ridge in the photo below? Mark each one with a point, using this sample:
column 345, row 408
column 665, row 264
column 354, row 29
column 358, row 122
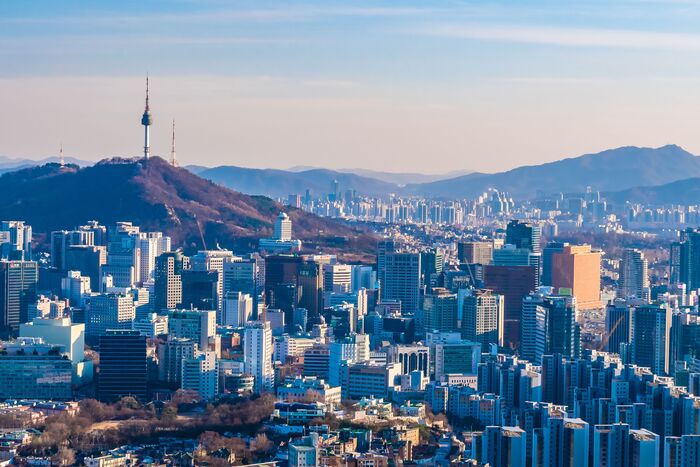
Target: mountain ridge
column 609, row 170
column 157, row 196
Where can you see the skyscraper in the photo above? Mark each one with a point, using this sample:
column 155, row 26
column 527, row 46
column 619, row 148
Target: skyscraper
column 168, row 281
column 283, row 228
column 18, row 283
column 61, row 240
column 474, row 252
column 524, row 235
column 123, row 366
column 482, row 320
column 577, row 268
column 549, row 326
column 257, row 355
column 213, row 261
column 514, row 283
column 440, row 311
column 633, row 280
column 15, row 240
column 402, row 280
column 617, row 324
column 685, row 259
column 651, row 335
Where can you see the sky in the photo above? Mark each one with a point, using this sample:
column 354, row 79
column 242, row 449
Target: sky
column 404, row 86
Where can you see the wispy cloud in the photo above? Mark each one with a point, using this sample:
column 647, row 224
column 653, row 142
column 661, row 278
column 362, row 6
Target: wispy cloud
column 276, row 14
column 563, row 36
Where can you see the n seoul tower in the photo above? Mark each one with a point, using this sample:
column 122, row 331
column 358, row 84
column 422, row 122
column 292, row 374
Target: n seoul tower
column 146, row 121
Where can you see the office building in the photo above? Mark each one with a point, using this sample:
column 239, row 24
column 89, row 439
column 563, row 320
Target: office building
column 402, row 280
column 337, row 278
column 25, row 376
column 171, row 354
column 123, row 365
column 151, row 245
column 370, row 380
column 460, row 357
column 281, row 240
column 549, row 326
column 62, row 240
column 644, row 448
column 577, row 268
column 524, row 235
column 15, row 241
column 88, row 260
column 200, row 374
column 197, row 325
column 440, row 311
column 633, row 277
column 109, row 311
column 650, row 338
column 74, row 287
column 482, row 318
column 168, row 281
column 213, row 261
column 18, row 285
column 257, row 355
column 237, row 309
column 474, row 252
column 199, row 289
column 123, row 255
column 618, row 320
column 514, row 283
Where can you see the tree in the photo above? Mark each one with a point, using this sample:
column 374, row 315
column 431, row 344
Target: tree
column 64, row 456
column 262, row 444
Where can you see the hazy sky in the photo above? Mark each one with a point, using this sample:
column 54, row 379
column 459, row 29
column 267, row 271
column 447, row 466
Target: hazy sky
column 390, row 85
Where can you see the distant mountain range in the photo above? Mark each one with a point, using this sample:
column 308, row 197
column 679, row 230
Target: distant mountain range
column 8, row 164
column 397, row 178
column 679, row 192
column 611, row 170
column 280, row 183
column 160, row 197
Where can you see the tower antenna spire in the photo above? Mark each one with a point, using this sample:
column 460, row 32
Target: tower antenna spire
column 146, row 121
column 61, row 159
column 173, row 157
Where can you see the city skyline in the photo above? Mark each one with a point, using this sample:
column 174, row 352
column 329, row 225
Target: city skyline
column 386, row 85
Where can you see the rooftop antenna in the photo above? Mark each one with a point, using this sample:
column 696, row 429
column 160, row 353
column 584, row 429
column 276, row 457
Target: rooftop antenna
column 173, row 157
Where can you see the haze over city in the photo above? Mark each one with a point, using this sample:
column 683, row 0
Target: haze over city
column 350, row 234
column 401, row 85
